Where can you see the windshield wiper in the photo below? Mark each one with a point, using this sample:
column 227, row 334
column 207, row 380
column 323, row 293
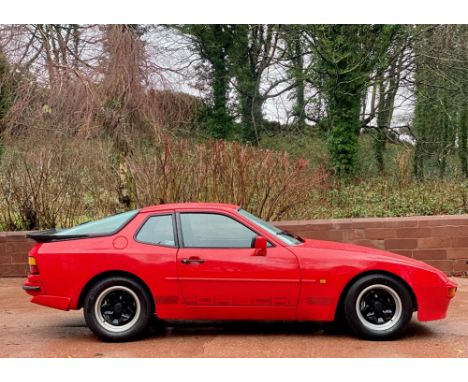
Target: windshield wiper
column 286, row 233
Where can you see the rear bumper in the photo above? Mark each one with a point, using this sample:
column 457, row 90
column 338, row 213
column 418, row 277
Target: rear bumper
column 33, row 287
column 57, row 302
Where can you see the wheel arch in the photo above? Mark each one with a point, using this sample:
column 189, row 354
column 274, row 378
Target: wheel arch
column 339, row 308
column 112, row 273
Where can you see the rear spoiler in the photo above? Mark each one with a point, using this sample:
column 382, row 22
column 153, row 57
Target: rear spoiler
column 51, row 235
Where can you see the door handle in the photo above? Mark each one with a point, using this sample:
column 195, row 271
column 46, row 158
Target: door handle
column 192, row 260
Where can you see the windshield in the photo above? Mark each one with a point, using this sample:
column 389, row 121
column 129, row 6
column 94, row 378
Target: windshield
column 283, row 236
column 104, row 226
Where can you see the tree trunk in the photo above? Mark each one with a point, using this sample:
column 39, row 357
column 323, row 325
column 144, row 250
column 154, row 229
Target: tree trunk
column 124, row 97
column 221, row 124
column 462, row 140
column 344, row 109
column 252, row 117
column 445, row 143
column 418, row 161
column 298, row 73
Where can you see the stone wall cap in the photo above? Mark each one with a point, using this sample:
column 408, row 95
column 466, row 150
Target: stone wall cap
column 372, row 220
column 13, row 233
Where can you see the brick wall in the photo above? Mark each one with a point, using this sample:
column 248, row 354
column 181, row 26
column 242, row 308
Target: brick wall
column 441, row 241
column 14, row 248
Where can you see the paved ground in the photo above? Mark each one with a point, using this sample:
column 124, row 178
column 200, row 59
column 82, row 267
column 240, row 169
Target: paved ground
column 28, row 330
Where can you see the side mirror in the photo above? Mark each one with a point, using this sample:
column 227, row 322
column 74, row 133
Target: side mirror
column 260, row 245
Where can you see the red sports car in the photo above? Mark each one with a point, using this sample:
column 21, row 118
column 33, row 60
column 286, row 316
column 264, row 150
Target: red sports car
column 219, row 262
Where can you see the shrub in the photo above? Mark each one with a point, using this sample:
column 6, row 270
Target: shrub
column 57, row 182
column 266, row 183
column 40, row 186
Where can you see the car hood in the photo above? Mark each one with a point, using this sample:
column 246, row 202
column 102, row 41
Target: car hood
column 310, row 248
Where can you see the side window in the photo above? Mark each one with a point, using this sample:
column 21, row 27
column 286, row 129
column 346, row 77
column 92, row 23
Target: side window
column 201, row 230
column 157, row 230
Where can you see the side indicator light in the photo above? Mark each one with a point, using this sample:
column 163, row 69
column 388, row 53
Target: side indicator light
column 452, row 291
column 323, row 281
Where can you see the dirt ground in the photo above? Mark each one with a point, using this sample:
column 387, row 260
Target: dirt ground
column 29, row 330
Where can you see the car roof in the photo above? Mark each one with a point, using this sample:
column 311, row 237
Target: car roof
column 200, row 206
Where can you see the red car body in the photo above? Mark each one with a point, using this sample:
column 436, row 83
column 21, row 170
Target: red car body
column 291, row 282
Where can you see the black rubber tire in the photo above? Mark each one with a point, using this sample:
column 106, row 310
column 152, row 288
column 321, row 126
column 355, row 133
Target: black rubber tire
column 140, row 326
column 352, row 316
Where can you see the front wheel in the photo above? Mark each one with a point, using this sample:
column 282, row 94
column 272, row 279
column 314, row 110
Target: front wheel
column 118, row 309
column 378, row 307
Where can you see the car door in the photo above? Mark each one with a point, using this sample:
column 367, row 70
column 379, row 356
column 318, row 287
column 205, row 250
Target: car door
column 220, row 276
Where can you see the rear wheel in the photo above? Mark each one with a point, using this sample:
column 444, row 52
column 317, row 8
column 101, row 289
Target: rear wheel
column 118, row 309
column 378, row 307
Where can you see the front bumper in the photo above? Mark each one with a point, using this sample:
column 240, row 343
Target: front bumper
column 434, row 301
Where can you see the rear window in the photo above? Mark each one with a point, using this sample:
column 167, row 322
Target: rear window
column 106, row 226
